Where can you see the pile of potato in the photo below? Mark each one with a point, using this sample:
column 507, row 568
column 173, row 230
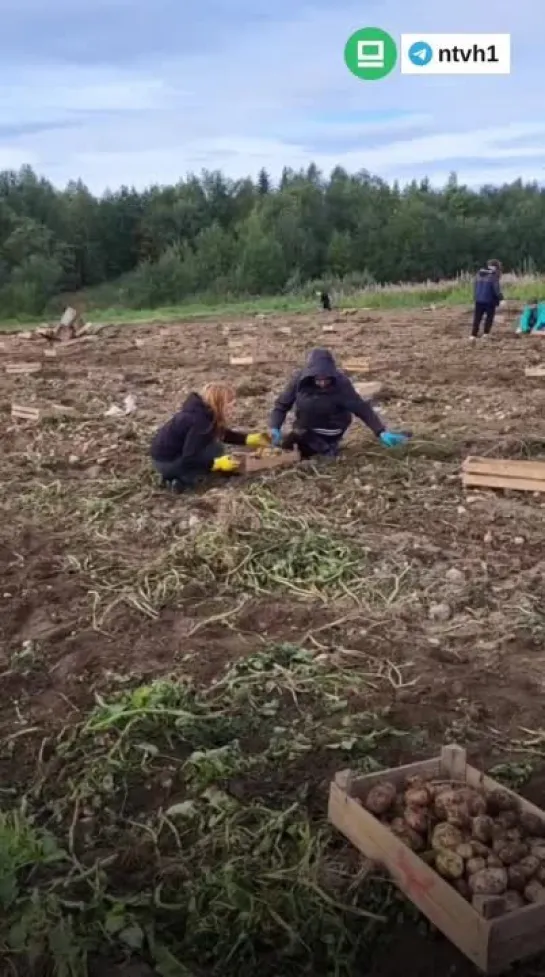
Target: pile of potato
column 483, row 843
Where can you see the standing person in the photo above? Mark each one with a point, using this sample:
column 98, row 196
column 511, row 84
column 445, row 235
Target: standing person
column 487, row 296
column 191, row 444
column 325, row 401
column 325, row 300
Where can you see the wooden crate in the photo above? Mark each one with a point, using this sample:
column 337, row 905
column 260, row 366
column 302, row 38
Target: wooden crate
column 20, row 369
column 491, row 944
column 534, row 371
column 356, row 365
column 521, row 476
column 253, row 463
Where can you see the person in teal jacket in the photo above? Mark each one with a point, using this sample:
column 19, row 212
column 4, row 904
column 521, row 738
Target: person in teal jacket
column 532, row 318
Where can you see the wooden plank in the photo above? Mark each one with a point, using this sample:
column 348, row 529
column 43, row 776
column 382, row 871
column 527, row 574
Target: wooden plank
column 260, row 463
column 356, row 365
column 21, row 412
column 241, row 360
column 515, row 936
column 454, row 762
column 535, row 371
column 439, row 902
column 369, row 389
column 329, row 329
column 50, row 354
column 502, row 482
column 512, row 468
column 17, row 369
column 284, row 330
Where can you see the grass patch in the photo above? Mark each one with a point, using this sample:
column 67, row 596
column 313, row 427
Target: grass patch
column 182, row 826
column 400, row 296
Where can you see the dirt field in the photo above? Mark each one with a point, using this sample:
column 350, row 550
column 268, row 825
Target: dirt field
column 182, row 675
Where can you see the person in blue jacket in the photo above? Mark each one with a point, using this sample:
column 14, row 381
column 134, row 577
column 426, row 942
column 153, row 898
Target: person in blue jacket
column 487, row 296
column 532, row 318
column 325, row 401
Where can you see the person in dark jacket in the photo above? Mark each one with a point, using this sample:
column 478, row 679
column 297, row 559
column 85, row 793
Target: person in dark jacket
column 325, row 400
column 487, row 296
column 191, row 444
column 325, row 301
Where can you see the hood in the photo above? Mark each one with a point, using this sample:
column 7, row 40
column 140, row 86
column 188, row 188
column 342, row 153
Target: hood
column 321, row 363
column 194, row 404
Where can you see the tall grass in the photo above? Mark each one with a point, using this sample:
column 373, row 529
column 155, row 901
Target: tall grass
column 457, row 291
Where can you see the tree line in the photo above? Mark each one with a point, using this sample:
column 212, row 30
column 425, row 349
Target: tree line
column 216, row 237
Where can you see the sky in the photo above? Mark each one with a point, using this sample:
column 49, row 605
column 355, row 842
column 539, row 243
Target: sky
column 139, row 92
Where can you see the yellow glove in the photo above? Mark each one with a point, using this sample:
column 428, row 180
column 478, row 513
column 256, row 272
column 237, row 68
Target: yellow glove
column 226, row 464
column 258, row 440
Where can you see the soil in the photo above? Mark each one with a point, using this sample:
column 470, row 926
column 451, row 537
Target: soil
column 80, row 506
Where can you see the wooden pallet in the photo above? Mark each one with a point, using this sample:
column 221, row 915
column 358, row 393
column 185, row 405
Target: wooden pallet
column 261, row 462
column 492, row 944
column 520, row 476
column 534, row 371
column 20, row 369
column 356, row 365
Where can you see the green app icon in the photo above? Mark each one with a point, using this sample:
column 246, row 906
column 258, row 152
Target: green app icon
column 370, row 54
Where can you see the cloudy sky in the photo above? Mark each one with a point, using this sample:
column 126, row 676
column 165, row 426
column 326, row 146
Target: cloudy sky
column 144, row 91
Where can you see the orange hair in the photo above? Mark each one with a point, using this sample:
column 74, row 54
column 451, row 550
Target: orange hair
column 219, row 397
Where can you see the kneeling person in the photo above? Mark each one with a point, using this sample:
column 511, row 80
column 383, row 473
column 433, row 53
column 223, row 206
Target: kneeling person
column 191, row 444
column 325, row 400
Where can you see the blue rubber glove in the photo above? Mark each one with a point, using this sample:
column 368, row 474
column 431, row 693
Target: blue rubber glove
column 391, row 440
column 276, row 437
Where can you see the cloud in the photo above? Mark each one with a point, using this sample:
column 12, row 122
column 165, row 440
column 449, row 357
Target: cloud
column 119, row 92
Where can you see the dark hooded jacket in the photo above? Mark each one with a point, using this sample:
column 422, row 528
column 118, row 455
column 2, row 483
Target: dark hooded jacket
column 319, row 409
column 486, row 290
column 189, row 432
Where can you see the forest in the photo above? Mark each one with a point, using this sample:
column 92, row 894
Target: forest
column 215, row 237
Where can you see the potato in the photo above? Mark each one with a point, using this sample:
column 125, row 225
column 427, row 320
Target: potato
column 476, row 804
column 381, row 798
column 530, row 865
column 538, row 849
column 488, row 882
column 513, row 900
column 449, row 864
column 475, row 865
column 465, row 851
column 446, row 836
column 417, row 797
column 510, row 852
column 499, row 800
column 418, row 819
column 534, row 892
column 493, row 861
column 462, row 887
column 516, row 878
column 479, row 848
column 412, row 839
column 540, row 874
column 507, row 819
column 531, row 824
column 482, row 828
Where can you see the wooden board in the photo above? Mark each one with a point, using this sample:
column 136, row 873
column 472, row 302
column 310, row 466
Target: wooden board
column 329, row 329
column 356, row 365
column 521, row 476
column 535, row 371
column 491, row 944
column 369, row 389
column 21, row 412
column 19, row 369
column 261, row 463
column 284, row 330
column 241, row 360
